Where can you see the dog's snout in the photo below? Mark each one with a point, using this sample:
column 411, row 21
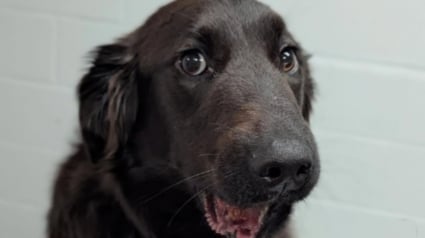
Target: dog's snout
column 287, row 165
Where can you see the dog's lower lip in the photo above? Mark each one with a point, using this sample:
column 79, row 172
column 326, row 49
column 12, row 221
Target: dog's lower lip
column 209, row 209
column 226, row 219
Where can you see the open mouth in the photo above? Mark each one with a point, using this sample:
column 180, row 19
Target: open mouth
column 228, row 220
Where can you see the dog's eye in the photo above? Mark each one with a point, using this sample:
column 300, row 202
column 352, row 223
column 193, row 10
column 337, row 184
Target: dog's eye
column 193, row 63
column 289, row 61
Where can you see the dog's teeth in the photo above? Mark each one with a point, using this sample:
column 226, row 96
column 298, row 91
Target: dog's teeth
column 235, row 213
column 262, row 214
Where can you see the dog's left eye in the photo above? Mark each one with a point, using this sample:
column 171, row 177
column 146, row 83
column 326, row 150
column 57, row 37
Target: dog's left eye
column 193, row 63
column 289, row 61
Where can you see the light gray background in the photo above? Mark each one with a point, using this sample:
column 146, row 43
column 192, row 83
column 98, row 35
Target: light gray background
column 369, row 116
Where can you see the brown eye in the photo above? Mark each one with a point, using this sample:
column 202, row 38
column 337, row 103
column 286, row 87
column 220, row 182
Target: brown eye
column 193, row 63
column 289, row 61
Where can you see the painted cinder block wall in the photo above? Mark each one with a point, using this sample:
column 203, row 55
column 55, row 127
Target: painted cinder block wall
column 369, row 116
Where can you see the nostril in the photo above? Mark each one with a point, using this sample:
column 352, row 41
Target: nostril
column 303, row 171
column 272, row 173
column 295, row 172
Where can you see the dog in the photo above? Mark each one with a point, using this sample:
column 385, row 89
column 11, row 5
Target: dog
column 194, row 125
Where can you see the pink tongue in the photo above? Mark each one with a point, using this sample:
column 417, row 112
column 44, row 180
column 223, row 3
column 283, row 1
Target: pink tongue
column 243, row 222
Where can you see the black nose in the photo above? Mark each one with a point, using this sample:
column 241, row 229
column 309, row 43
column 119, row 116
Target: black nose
column 285, row 165
column 293, row 173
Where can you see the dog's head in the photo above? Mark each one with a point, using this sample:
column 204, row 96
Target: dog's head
column 219, row 90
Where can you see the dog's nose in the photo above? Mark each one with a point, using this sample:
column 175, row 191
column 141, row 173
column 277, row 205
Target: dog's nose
column 292, row 174
column 287, row 166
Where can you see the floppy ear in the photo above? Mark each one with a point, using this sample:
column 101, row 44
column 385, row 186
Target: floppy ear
column 108, row 97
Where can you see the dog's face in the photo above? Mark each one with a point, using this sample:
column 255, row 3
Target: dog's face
column 221, row 90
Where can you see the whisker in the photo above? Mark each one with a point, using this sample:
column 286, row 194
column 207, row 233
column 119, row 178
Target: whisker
column 228, row 174
column 176, row 184
column 186, row 203
column 221, row 126
column 208, row 155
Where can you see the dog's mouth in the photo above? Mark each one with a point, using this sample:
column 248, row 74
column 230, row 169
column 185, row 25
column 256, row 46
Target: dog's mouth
column 229, row 220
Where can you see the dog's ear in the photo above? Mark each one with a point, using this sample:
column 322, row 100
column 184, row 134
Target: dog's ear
column 108, row 97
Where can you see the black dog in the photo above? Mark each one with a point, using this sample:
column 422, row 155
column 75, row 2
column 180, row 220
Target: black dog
column 194, row 125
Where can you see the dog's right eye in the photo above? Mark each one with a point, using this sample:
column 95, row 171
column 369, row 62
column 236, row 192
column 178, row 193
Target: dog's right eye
column 289, row 61
column 193, row 63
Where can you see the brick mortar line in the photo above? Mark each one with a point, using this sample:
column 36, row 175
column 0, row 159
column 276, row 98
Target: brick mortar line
column 366, row 139
column 370, row 64
column 35, row 149
column 21, row 205
column 366, row 210
column 26, row 82
column 49, row 14
column 54, row 57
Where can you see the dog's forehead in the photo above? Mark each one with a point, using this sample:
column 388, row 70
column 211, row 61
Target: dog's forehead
column 236, row 17
column 228, row 16
column 228, row 12
column 227, row 22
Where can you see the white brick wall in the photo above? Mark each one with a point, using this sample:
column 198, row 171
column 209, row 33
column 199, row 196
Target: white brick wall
column 369, row 116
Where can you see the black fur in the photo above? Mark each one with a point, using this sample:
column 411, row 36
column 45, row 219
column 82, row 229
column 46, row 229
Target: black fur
column 154, row 138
